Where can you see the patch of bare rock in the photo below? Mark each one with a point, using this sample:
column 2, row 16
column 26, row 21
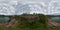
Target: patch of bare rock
column 11, row 23
column 53, row 24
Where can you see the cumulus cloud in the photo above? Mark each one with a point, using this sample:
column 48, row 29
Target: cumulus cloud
column 17, row 7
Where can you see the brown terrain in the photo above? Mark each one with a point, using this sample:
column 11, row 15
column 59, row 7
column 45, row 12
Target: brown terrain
column 30, row 18
column 53, row 24
column 13, row 21
column 10, row 23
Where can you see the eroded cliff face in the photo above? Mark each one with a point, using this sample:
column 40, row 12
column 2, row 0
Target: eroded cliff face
column 53, row 24
column 12, row 23
column 8, row 22
column 30, row 18
column 27, row 19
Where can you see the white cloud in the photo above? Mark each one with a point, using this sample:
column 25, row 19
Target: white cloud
column 10, row 7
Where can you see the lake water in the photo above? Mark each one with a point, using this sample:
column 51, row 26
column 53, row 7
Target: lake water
column 56, row 19
column 4, row 19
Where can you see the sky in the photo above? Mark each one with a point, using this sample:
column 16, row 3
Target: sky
column 18, row 7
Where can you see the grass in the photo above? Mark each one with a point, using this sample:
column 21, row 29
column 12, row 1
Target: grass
column 36, row 25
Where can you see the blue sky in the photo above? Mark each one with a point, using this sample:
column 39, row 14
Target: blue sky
column 17, row 7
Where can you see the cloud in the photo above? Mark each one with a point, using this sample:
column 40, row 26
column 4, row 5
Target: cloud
column 17, row 7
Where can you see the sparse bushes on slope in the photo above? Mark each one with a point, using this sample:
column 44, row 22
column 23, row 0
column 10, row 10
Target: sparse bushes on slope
column 30, row 21
column 38, row 22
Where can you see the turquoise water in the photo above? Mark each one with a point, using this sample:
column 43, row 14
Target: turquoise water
column 56, row 19
column 4, row 19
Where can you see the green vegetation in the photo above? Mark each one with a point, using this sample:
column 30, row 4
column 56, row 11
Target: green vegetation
column 40, row 23
column 24, row 24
